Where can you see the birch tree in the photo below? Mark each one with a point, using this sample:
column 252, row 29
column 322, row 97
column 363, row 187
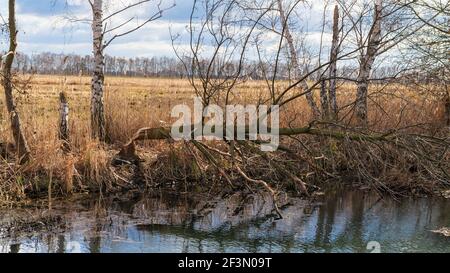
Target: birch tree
column 366, row 61
column 7, row 81
column 63, row 132
column 103, row 34
column 98, row 77
column 294, row 60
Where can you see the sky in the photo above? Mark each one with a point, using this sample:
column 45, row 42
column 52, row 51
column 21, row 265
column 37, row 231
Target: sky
column 45, row 26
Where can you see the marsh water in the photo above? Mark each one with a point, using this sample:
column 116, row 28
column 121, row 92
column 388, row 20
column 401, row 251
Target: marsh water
column 341, row 221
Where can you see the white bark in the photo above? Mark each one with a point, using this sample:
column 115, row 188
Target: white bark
column 97, row 107
column 366, row 62
column 294, row 61
column 64, row 121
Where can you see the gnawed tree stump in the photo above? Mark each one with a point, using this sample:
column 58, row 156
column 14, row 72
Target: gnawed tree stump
column 127, row 155
column 63, row 133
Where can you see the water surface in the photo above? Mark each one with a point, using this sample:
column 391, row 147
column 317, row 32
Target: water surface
column 342, row 222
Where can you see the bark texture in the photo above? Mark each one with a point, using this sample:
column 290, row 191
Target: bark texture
column 447, row 107
column 98, row 77
column 324, row 100
column 333, row 63
column 19, row 138
column 64, row 121
column 366, row 62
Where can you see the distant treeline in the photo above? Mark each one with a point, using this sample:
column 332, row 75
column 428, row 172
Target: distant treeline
column 72, row 64
column 167, row 67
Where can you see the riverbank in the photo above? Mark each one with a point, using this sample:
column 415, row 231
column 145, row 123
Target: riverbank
column 326, row 164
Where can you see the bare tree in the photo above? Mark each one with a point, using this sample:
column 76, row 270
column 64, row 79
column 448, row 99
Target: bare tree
column 333, row 62
column 7, row 82
column 324, row 97
column 430, row 48
column 100, row 30
column 366, row 61
column 378, row 29
column 294, row 60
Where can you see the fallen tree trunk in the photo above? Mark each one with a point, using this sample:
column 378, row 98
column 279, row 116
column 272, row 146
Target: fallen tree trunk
column 162, row 133
column 128, row 152
column 371, row 157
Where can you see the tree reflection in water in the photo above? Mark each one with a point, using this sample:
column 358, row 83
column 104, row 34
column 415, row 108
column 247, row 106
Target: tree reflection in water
column 344, row 222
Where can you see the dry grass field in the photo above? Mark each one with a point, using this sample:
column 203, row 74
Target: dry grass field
column 133, row 103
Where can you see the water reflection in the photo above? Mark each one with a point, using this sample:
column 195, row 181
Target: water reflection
column 344, row 222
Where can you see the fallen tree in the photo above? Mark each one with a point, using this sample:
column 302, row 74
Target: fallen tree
column 374, row 159
column 161, row 133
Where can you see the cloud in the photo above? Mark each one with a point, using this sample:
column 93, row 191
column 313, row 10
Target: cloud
column 44, row 26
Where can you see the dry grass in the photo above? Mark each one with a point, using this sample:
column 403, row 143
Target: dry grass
column 132, row 103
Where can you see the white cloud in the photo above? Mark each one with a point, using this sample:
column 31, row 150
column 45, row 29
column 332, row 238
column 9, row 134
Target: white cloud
column 39, row 32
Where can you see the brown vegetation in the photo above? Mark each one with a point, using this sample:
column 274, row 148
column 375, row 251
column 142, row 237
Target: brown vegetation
column 382, row 125
column 134, row 103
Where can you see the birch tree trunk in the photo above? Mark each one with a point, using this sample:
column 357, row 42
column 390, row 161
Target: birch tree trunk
column 97, row 106
column 19, row 138
column 294, row 62
column 64, row 121
column 366, row 62
column 333, row 63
